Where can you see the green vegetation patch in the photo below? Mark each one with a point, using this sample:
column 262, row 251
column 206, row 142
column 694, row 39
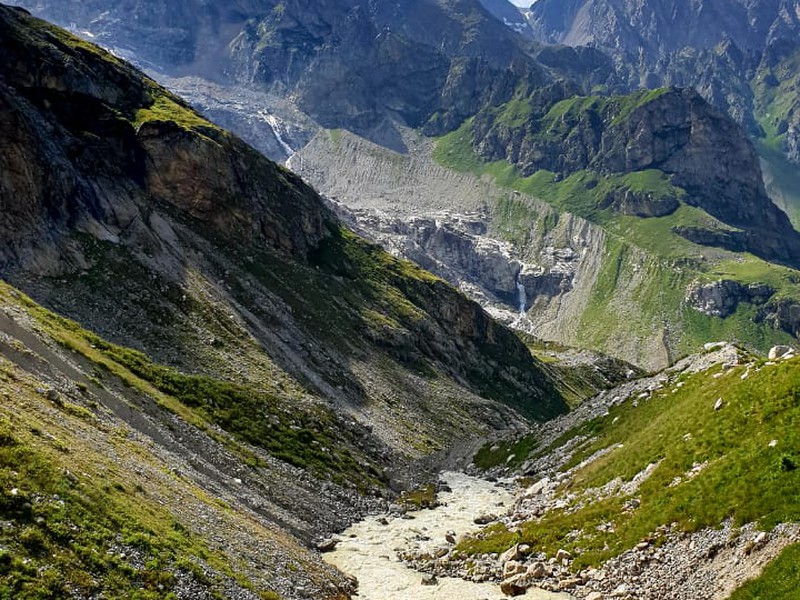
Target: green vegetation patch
column 306, row 438
column 740, row 461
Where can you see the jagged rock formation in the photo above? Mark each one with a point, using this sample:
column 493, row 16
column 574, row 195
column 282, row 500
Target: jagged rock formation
column 346, row 64
column 719, row 48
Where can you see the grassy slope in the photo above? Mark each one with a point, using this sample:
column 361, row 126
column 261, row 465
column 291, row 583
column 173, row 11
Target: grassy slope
column 80, row 517
column 671, row 262
column 745, row 478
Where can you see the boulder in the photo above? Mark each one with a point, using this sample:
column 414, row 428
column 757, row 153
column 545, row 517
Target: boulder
column 429, row 579
column 516, row 585
column 512, row 553
column 537, row 488
column 778, row 351
column 562, row 555
column 537, row 571
column 512, row 567
column 327, row 545
column 485, row 519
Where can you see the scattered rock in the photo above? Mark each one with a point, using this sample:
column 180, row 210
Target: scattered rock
column 327, row 545
column 485, row 519
column 429, row 579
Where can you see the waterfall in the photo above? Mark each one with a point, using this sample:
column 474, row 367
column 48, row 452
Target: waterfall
column 278, row 130
column 522, row 297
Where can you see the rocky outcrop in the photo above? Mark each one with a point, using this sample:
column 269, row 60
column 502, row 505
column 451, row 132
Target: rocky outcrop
column 459, row 249
column 721, row 298
column 711, row 45
column 642, row 204
column 674, row 131
column 782, row 314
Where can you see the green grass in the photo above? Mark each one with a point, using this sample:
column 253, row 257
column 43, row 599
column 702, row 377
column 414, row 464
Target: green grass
column 67, row 507
column 166, row 107
column 509, row 453
column 745, row 479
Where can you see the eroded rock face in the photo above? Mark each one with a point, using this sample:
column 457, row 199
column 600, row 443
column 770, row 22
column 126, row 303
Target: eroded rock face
column 673, row 131
column 721, row 298
column 712, row 45
column 460, row 249
column 782, row 314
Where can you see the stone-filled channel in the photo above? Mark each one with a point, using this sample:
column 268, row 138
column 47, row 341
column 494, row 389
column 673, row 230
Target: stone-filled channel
column 369, row 549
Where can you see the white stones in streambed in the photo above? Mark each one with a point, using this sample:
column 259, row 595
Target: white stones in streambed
column 370, row 549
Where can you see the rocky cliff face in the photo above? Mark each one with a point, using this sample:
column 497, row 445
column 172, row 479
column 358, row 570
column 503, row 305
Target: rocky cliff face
column 351, row 65
column 673, row 131
column 723, row 49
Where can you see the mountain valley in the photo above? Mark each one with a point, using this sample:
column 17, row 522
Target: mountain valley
column 501, row 242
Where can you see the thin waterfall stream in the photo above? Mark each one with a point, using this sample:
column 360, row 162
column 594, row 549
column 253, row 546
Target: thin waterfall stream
column 522, row 296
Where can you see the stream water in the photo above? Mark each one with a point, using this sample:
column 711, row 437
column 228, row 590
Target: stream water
column 369, row 549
